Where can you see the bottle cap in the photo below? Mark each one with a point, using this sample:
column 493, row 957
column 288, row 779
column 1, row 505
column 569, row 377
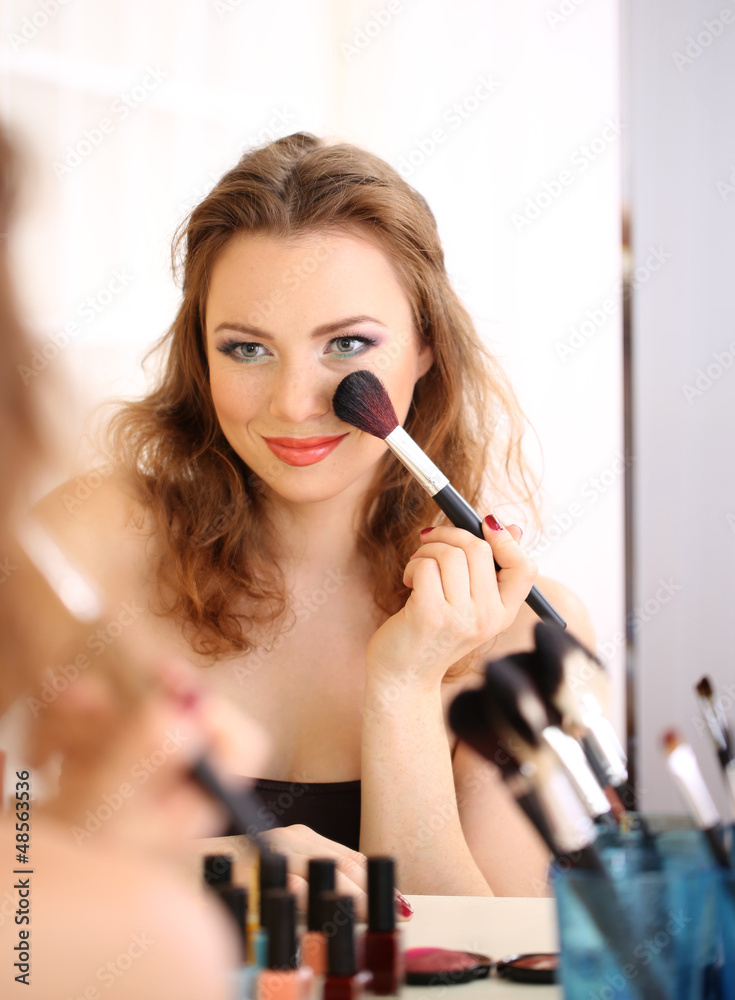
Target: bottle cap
column 321, row 879
column 218, row 869
column 235, row 899
column 381, row 895
column 271, row 875
column 340, row 931
column 281, row 926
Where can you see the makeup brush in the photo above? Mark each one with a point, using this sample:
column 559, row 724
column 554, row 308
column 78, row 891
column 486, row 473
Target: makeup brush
column 468, row 720
column 362, row 400
column 515, row 702
column 684, row 767
column 560, row 665
column 719, row 729
column 511, row 702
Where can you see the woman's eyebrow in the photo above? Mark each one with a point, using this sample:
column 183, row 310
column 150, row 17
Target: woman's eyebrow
column 319, row 331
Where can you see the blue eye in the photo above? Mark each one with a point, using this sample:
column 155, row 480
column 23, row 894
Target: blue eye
column 345, row 351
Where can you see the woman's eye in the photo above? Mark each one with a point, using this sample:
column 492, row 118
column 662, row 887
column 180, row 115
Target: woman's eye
column 351, row 345
column 244, row 352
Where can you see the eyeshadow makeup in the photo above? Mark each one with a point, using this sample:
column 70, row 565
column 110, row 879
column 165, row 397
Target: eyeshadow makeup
column 443, row 967
column 540, row 967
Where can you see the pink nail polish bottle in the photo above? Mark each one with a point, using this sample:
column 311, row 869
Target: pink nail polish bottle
column 343, row 981
column 283, row 978
column 383, row 953
column 314, row 941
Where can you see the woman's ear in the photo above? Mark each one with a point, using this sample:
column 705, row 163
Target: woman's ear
column 424, row 361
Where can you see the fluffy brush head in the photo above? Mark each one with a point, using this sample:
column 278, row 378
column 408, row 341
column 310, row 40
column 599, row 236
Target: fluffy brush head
column 704, row 688
column 555, row 646
column 362, row 400
column 545, row 680
column 513, row 700
column 468, row 719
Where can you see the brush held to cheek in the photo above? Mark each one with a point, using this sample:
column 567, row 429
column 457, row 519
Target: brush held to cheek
column 361, row 399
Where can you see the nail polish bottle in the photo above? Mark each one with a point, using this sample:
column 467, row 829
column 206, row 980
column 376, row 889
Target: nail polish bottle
column 271, row 875
column 282, row 978
column 383, row 955
column 314, row 942
column 244, row 977
column 343, row 980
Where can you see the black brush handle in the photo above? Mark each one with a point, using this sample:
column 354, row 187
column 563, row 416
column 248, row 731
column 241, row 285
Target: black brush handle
column 462, row 515
column 242, row 808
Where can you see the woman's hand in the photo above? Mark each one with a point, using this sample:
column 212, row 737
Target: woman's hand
column 458, row 602
column 300, row 843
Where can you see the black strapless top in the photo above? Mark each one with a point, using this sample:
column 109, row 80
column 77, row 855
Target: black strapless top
column 330, row 808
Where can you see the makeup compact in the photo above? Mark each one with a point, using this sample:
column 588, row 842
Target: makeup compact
column 443, row 967
column 540, row 967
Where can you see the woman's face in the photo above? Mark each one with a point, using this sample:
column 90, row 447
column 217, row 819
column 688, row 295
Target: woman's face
column 285, row 322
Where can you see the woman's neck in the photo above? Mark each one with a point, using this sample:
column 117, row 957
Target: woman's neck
column 313, row 538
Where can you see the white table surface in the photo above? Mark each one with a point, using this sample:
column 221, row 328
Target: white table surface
column 495, row 926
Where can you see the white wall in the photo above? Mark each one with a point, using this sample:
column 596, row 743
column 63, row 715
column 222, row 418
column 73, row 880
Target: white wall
column 680, row 181
column 537, row 87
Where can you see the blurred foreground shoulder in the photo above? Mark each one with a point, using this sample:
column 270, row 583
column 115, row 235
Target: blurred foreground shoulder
column 101, row 519
column 109, row 924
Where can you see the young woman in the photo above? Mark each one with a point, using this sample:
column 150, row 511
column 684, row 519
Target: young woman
column 292, row 555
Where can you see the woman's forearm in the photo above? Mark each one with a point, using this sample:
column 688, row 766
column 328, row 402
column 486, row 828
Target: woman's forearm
column 409, row 804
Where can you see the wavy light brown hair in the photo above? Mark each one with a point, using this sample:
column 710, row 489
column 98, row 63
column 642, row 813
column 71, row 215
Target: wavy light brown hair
column 206, row 506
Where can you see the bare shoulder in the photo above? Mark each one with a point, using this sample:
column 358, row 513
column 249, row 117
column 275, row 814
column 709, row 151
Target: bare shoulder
column 571, row 608
column 101, row 519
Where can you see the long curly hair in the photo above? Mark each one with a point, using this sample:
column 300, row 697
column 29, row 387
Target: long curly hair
column 216, row 569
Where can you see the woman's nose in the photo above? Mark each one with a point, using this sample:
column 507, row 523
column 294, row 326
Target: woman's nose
column 299, row 394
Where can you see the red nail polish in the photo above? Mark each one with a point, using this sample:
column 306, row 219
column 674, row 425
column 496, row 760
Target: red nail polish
column 404, row 907
column 425, row 531
column 492, row 522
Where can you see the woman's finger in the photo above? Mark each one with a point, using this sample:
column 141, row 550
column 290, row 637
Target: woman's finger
column 517, row 571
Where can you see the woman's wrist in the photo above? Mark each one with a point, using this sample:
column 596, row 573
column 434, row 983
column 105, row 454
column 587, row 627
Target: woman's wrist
column 389, row 693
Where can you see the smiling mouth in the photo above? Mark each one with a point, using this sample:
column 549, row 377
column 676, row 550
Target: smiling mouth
column 303, row 451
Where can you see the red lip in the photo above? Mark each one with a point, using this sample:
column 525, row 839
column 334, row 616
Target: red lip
column 303, row 451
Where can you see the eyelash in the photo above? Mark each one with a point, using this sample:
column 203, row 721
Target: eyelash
column 229, row 347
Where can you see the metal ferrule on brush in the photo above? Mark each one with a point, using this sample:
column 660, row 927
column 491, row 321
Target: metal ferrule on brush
column 416, row 461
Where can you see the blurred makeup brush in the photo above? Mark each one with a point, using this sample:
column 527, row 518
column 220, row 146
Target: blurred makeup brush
column 719, row 729
column 684, row 767
column 558, row 668
column 362, row 400
column 510, row 696
column 515, row 703
column 86, row 604
column 468, row 719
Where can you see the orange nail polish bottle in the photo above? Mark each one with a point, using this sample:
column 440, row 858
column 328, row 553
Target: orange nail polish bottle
column 283, row 979
column 314, row 941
